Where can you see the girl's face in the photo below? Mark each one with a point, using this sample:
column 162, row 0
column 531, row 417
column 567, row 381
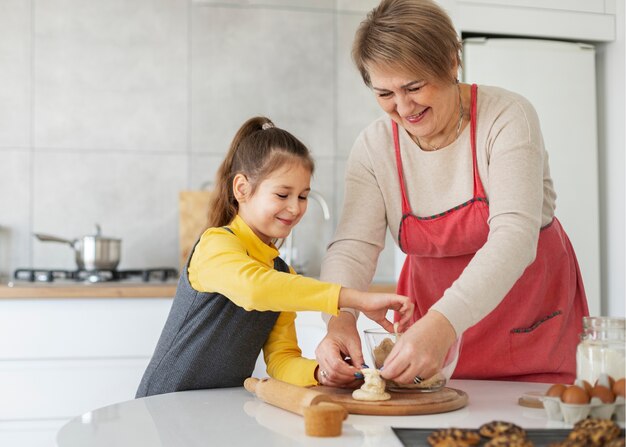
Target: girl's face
column 278, row 203
column 425, row 109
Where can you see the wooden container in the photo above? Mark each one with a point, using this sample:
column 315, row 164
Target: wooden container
column 193, row 215
column 324, row 420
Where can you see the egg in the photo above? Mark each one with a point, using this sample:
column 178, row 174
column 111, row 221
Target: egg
column 556, row 390
column 587, row 386
column 605, row 380
column 575, row 395
column 603, row 393
column 618, row 387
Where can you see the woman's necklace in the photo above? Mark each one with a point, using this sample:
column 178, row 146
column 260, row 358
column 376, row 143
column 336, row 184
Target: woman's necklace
column 458, row 127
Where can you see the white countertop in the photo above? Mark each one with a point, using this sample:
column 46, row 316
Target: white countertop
column 233, row 416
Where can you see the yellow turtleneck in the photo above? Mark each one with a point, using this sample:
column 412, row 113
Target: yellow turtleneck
column 241, row 267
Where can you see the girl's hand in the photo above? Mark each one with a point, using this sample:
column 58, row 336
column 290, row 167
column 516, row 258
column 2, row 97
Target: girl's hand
column 421, row 350
column 376, row 305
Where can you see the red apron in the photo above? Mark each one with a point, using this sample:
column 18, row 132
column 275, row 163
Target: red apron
column 532, row 334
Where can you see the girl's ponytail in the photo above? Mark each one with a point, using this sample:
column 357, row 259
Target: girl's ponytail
column 224, row 207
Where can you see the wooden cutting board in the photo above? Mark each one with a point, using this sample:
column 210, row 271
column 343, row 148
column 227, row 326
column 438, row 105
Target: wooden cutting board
column 400, row 404
column 297, row 399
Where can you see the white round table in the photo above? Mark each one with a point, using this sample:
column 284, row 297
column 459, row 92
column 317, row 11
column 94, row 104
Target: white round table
column 233, row 417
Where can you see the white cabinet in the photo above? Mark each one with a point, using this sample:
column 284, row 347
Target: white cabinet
column 586, row 20
column 60, row 358
column 594, row 6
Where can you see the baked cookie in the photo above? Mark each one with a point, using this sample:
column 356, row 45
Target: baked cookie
column 449, row 442
column 594, row 432
column 570, row 443
column 509, row 440
column 593, row 424
column 448, row 436
column 497, row 428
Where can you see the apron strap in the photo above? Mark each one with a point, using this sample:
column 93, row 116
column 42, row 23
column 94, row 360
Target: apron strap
column 478, row 186
column 396, row 143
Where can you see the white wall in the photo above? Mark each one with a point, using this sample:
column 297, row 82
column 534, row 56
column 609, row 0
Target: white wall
column 102, row 123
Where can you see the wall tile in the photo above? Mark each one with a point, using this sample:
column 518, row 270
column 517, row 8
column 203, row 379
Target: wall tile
column 248, row 62
column 15, row 235
column 363, row 6
column 15, row 70
column 132, row 196
column 203, row 168
column 111, row 75
column 356, row 104
column 291, row 4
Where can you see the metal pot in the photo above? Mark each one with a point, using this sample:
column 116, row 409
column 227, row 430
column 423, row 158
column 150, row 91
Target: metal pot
column 92, row 252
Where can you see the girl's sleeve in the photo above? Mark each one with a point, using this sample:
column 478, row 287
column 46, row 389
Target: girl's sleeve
column 224, row 266
column 284, row 358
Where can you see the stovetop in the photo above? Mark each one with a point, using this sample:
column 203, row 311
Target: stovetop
column 160, row 274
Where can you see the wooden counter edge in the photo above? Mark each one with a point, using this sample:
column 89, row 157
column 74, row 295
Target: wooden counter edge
column 89, row 291
column 108, row 290
column 383, row 287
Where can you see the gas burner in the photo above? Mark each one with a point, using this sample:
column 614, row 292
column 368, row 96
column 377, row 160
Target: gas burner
column 93, row 276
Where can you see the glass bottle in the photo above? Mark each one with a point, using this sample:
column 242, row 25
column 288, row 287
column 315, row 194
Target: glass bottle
column 602, row 348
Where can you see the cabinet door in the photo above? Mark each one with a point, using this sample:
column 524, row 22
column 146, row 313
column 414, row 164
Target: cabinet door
column 594, row 6
column 558, row 78
column 555, row 19
column 72, row 328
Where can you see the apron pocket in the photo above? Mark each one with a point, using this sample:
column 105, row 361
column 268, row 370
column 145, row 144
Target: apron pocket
column 535, row 349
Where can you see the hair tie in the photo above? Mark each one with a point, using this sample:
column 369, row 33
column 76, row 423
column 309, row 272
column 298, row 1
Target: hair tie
column 267, row 125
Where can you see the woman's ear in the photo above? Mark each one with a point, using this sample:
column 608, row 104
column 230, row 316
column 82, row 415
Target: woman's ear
column 241, row 187
column 455, row 69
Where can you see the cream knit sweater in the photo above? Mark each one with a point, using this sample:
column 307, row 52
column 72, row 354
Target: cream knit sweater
column 513, row 168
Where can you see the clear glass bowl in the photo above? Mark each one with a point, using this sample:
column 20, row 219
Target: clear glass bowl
column 379, row 344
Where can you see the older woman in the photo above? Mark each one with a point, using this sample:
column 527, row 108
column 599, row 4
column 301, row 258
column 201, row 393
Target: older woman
column 460, row 176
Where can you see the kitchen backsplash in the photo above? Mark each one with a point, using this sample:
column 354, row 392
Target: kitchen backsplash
column 109, row 109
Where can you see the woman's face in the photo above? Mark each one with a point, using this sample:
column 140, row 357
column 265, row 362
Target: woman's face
column 426, row 109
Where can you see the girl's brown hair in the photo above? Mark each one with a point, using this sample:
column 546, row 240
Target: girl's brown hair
column 258, row 149
column 412, row 36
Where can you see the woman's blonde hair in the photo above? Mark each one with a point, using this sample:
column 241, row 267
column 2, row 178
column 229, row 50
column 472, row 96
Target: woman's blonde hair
column 410, row 36
column 257, row 150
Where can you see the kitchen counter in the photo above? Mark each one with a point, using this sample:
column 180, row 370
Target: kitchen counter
column 24, row 289
column 233, row 416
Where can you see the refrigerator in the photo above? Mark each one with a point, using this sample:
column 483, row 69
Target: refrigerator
column 558, row 78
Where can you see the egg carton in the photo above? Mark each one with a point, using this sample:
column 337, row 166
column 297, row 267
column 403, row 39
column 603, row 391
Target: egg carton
column 572, row 413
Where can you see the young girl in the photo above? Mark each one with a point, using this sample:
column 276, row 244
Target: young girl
column 236, row 295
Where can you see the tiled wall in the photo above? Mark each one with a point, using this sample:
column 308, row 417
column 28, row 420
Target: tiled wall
column 109, row 109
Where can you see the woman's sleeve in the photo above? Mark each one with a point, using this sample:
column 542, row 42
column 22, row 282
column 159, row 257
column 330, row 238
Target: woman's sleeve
column 515, row 153
column 352, row 256
column 225, row 267
column 284, row 358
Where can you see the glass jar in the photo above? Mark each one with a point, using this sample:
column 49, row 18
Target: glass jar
column 602, row 348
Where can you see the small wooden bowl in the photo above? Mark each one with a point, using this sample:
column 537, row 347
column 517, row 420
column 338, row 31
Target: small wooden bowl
column 324, row 420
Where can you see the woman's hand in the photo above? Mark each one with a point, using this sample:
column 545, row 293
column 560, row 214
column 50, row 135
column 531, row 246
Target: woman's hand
column 420, row 351
column 341, row 342
column 376, row 305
